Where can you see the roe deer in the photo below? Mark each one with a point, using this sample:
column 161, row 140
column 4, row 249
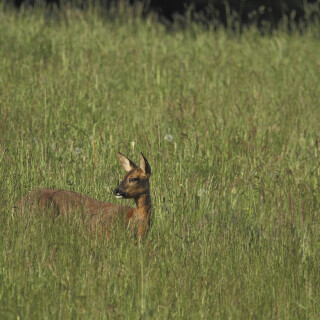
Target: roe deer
column 135, row 185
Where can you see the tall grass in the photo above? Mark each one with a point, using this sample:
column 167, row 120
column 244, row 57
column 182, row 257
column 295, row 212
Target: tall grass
column 230, row 124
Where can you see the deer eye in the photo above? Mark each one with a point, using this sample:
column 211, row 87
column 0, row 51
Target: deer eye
column 134, row 179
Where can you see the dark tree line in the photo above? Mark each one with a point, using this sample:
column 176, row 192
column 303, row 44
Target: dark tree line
column 242, row 10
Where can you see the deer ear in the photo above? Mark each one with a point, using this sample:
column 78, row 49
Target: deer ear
column 126, row 163
column 144, row 164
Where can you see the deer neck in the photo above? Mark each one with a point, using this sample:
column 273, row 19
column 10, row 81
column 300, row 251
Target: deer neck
column 143, row 206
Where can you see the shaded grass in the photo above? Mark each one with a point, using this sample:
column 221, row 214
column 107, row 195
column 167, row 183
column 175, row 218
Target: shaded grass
column 235, row 191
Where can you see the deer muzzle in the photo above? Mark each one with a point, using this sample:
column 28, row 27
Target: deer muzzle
column 119, row 193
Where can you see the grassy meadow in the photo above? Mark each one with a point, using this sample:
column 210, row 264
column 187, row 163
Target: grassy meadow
column 230, row 124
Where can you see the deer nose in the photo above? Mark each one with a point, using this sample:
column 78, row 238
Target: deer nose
column 119, row 193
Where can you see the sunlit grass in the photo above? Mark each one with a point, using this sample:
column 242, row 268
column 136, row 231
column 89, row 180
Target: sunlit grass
column 231, row 127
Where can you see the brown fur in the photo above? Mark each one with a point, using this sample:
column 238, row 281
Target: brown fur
column 63, row 202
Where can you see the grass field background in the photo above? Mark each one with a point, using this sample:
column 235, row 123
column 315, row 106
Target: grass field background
column 230, row 124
